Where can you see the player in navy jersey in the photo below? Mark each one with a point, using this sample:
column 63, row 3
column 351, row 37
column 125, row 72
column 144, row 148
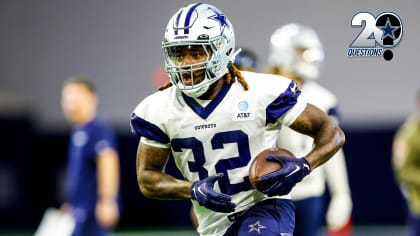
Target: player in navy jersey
column 211, row 118
column 92, row 194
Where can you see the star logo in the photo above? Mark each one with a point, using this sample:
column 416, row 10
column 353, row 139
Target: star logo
column 256, row 227
column 388, row 29
column 221, row 18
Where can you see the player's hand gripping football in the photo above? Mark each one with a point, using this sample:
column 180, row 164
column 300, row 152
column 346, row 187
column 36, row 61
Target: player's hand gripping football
column 203, row 192
column 293, row 171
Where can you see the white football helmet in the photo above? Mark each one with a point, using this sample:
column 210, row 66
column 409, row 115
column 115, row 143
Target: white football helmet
column 202, row 25
column 246, row 59
column 286, row 46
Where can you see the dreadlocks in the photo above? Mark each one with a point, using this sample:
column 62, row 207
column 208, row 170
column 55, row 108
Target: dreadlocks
column 229, row 78
column 165, row 86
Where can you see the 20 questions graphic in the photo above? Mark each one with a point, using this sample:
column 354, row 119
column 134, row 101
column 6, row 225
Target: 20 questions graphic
column 377, row 36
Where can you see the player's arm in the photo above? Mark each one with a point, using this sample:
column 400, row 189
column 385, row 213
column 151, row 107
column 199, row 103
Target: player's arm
column 108, row 174
column 154, row 183
column 151, row 177
column 337, row 179
column 328, row 136
column 328, row 139
column 340, row 205
column 108, row 171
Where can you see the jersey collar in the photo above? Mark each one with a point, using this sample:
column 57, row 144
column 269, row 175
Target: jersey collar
column 205, row 111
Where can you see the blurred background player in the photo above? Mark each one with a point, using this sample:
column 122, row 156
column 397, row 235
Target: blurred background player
column 406, row 164
column 245, row 60
column 93, row 173
column 295, row 51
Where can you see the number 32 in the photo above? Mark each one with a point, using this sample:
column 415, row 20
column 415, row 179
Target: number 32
column 223, row 165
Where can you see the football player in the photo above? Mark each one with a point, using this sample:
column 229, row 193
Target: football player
column 211, row 119
column 296, row 51
column 244, row 60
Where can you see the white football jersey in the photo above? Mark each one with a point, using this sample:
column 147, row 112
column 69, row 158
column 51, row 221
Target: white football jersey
column 222, row 136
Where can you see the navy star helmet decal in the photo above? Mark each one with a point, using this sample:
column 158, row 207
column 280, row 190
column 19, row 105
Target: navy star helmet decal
column 221, row 18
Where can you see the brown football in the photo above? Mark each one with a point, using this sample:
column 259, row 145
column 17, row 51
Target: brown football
column 260, row 166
